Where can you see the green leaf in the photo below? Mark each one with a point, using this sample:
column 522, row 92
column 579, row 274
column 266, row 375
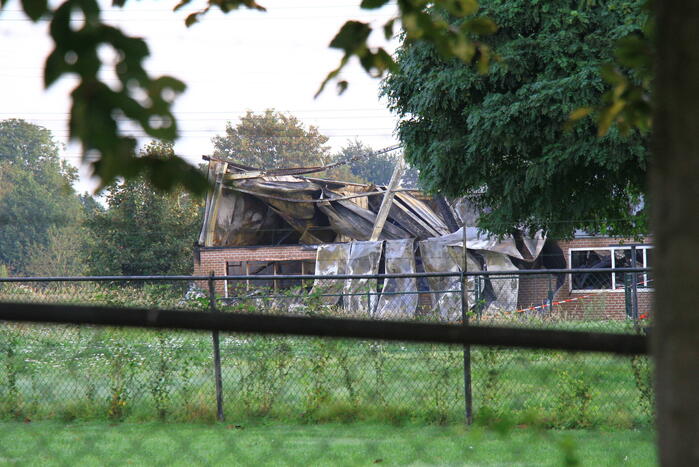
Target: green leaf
column 580, row 112
column 611, row 75
column 634, row 51
column 372, row 4
column 332, row 75
column 351, row 37
column 460, row 8
column 482, row 26
column 388, row 29
column 35, row 9
column 54, row 67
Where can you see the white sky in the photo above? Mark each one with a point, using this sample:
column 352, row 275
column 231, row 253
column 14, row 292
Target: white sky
column 231, row 63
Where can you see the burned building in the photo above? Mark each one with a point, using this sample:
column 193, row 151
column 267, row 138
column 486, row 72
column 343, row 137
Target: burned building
column 286, row 222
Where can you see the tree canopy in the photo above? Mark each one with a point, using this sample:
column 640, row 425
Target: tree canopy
column 37, row 199
column 144, row 231
column 370, row 167
column 501, row 137
column 272, row 140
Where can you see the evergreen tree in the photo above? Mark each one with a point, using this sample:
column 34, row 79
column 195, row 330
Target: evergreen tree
column 502, row 134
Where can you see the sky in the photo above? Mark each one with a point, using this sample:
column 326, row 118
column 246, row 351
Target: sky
column 245, row 60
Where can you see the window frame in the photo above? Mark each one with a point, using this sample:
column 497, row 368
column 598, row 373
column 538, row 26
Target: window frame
column 612, row 250
column 276, row 283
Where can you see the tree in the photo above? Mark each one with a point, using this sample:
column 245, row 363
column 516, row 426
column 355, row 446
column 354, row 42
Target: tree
column 272, row 140
column 144, row 231
column 63, row 254
column 36, row 194
column 501, row 134
column 375, row 168
column 673, row 181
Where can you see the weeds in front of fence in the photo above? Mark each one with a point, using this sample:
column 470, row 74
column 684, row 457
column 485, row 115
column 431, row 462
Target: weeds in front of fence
column 87, row 373
column 71, row 373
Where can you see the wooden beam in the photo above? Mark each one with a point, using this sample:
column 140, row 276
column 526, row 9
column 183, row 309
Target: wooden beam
column 387, row 201
column 243, row 175
column 216, row 202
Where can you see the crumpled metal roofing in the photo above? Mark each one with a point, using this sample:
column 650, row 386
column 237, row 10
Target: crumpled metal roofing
column 318, row 210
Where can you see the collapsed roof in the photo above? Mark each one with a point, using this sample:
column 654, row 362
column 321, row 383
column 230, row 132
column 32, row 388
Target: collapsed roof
column 250, row 207
column 357, row 226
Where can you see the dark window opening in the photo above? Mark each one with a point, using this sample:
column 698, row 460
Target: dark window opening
column 269, row 268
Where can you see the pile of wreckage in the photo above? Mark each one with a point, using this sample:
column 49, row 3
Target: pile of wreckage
column 363, row 229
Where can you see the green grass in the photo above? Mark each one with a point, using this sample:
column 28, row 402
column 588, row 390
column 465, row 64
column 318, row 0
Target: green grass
column 95, row 443
column 87, row 373
column 70, row 373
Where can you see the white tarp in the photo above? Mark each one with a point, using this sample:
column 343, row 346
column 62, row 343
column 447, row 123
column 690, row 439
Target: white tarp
column 437, row 256
column 505, row 289
column 399, row 295
column 331, row 259
column 360, row 294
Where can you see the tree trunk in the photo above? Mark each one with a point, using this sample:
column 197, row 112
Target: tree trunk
column 674, row 187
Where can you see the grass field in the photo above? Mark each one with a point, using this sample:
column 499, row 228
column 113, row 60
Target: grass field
column 99, row 443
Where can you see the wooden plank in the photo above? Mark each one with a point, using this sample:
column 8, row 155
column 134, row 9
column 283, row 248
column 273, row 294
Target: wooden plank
column 242, row 175
column 216, row 202
column 398, row 202
column 387, row 201
column 406, row 222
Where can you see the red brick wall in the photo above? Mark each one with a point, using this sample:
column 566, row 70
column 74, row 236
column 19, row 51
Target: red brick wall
column 214, row 259
column 533, row 290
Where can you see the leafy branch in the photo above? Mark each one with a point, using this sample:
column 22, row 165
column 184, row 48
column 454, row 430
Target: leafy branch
column 100, row 112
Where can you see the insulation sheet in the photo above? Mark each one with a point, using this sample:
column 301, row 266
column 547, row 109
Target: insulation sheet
column 504, row 288
column 446, row 291
column 331, row 259
column 399, row 296
column 477, row 240
column 360, row 295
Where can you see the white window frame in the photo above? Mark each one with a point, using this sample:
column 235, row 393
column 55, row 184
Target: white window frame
column 612, row 250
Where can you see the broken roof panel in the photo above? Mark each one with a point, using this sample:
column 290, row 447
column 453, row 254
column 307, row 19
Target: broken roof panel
column 308, row 205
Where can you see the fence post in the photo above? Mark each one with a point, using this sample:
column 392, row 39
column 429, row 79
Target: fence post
column 627, row 296
column 477, row 296
column 218, row 379
column 634, row 286
column 468, row 396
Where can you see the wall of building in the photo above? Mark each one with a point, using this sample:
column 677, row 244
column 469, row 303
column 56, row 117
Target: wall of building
column 533, row 289
column 208, row 260
column 592, row 304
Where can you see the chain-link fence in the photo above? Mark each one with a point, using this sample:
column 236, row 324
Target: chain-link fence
column 64, row 372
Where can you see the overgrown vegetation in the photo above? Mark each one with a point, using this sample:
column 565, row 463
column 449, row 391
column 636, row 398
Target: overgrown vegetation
column 86, row 373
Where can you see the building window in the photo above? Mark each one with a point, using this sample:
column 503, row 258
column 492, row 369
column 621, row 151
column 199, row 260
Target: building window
column 609, row 258
column 267, row 268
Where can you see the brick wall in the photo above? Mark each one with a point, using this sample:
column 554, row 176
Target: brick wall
column 215, row 259
column 609, row 304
